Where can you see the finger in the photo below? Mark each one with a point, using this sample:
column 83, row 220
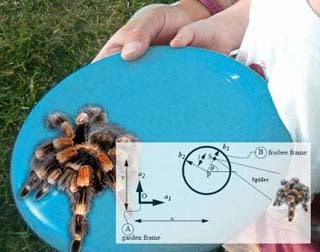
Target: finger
column 131, row 43
column 136, row 43
column 134, row 38
column 109, row 49
column 184, row 37
column 206, row 33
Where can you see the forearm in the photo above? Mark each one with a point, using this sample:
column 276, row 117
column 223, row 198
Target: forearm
column 195, row 9
column 234, row 21
column 201, row 9
column 216, row 6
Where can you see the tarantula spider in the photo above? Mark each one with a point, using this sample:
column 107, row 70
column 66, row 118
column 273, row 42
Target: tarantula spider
column 292, row 193
column 80, row 162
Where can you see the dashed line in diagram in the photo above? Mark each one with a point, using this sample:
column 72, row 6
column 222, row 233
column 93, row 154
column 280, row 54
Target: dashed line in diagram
column 168, row 188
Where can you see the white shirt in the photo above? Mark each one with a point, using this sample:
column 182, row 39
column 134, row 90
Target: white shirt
column 284, row 37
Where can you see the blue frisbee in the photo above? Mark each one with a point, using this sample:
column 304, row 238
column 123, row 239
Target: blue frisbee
column 168, row 95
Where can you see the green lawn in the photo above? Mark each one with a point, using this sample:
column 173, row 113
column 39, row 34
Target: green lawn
column 41, row 42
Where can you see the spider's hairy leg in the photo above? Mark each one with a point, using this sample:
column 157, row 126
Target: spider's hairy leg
column 66, row 154
column 98, row 184
column 87, row 117
column 112, row 153
column 60, row 121
column 81, row 195
column 305, row 198
column 38, row 177
column 305, row 206
column 101, row 138
column 91, row 113
column 109, row 179
column 79, row 226
column 278, row 200
column 44, row 188
column 114, row 130
column 126, row 138
column 48, row 171
column 84, row 176
column 284, row 182
column 50, row 146
column 65, row 179
column 302, row 200
column 53, row 176
column 62, row 143
column 294, row 181
column 292, row 206
column 44, row 149
column 94, row 150
column 32, row 183
column 105, row 162
column 47, row 184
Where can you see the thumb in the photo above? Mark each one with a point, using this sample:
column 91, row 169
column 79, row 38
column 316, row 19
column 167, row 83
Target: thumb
column 198, row 34
column 136, row 41
column 133, row 39
column 205, row 33
column 185, row 36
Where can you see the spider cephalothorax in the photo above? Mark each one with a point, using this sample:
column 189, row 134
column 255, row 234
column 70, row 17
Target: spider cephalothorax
column 80, row 162
column 292, row 193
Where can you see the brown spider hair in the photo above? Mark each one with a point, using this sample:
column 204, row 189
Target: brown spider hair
column 80, row 162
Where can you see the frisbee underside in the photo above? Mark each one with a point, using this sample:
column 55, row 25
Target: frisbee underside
column 169, row 95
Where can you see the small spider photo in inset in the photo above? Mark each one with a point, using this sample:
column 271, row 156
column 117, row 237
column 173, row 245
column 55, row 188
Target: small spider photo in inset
column 292, row 193
column 80, row 162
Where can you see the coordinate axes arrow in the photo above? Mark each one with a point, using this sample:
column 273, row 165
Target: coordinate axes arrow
column 171, row 220
column 153, row 202
column 126, row 204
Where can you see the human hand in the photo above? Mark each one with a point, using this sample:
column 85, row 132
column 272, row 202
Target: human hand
column 222, row 32
column 152, row 26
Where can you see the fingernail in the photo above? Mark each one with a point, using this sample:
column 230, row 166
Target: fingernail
column 94, row 60
column 102, row 57
column 130, row 48
column 177, row 38
column 175, row 41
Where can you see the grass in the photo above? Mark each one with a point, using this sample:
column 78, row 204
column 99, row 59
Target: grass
column 41, row 42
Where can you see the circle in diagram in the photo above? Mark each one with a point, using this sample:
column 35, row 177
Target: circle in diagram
column 206, row 170
column 127, row 229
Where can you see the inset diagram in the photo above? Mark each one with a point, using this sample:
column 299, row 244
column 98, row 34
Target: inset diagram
column 168, row 188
